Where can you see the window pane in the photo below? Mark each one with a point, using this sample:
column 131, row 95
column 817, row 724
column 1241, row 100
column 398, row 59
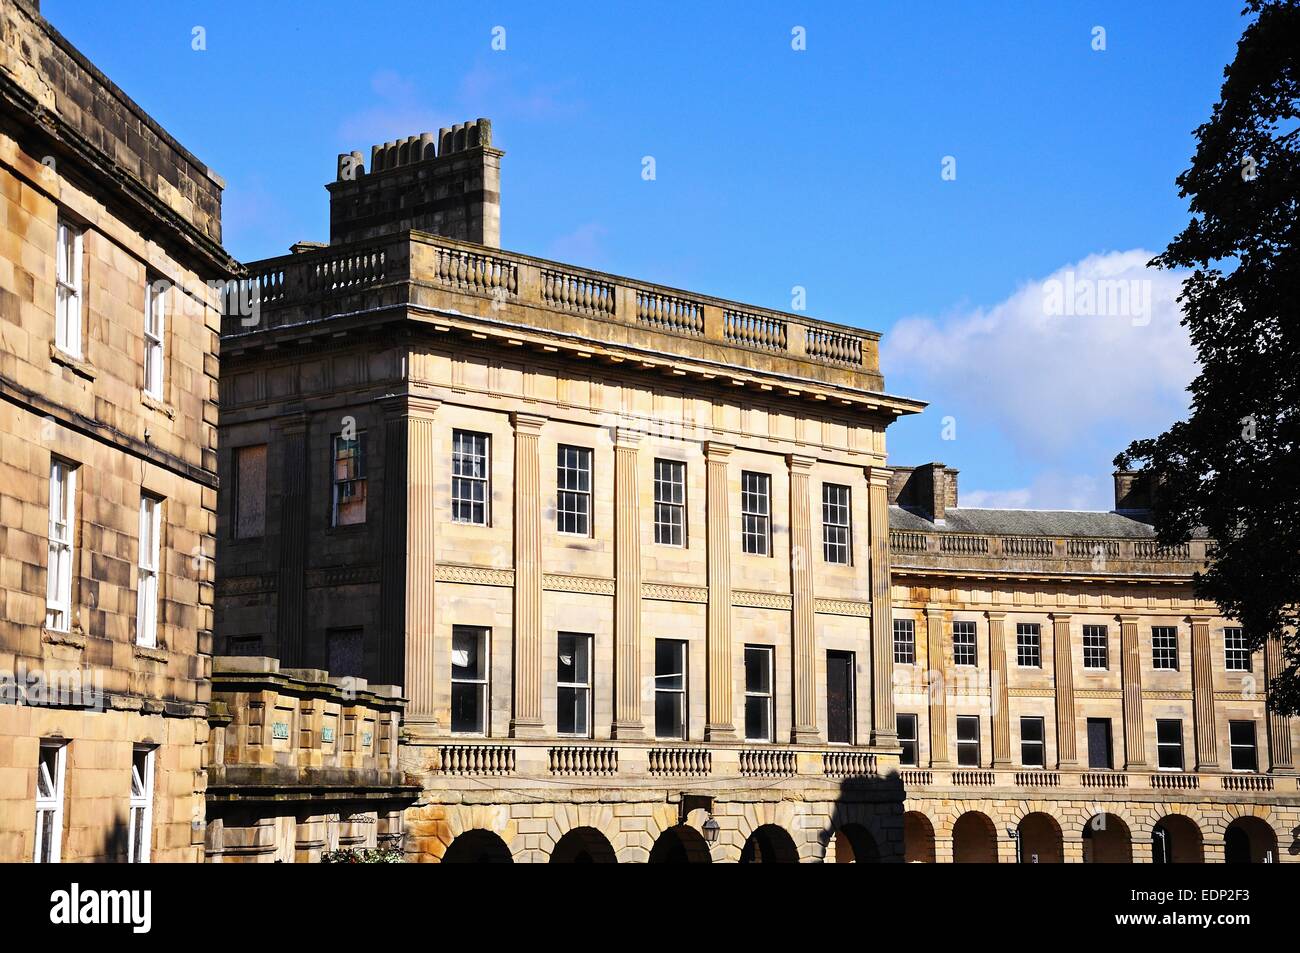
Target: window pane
column 466, row 713
column 670, row 669
column 758, row 671
column 757, row 721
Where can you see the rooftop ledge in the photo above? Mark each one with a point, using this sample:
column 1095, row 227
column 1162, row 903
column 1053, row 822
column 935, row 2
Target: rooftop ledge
column 521, row 301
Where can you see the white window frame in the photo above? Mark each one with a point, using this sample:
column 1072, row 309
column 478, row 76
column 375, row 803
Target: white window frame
column 905, row 639
column 1161, row 745
column 670, row 502
column 912, row 739
column 756, row 513
column 468, row 480
column 968, row 743
column 146, row 609
column 352, row 485
column 68, row 289
column 1236, row 656
column 1164, row 648
column 62, row 545
column 837, row 524
column 664, row 687
column 1096, row 645
column 769, row 696
column 484, row 636
column 966, row 651
column 155, row 297
column 1029, row 645
column 51, row 767
column 141, row 815
column 582, row 642
column 573, row 481
column 1253, row 747
column 1041, row 743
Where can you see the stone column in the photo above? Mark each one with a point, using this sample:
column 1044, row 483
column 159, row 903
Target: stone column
column 936, row 683
column 291, row 589
column 420, row 523
column 998, row 690
column 392, row 569
column 1279, row 726
column 720, row 725
column 1131, row 672
column 627, row 587
column 1207, row 741
column 1067, row 752
column 884, row 728
column 526, row 719
column 803, row 621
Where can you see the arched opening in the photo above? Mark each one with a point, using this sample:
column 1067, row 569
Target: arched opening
column 1106, row 840
column 583, row 845
column 680, row 845
column 769, row 844
column 974, row 840
column 477, row 847
column 1249, row 840
column 855, row 845
column 1040, row 839
column 1177, row 840
column 918, row 838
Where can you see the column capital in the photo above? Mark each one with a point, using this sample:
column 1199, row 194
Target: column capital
column 995, row 615
column 626, row 439
column 1199, row 619
column 799, row 463
column 1060, row 616
column 878, row 476
column 1127, row 618
column 932, row 608
column 404, row 404
column 714, row 450
column 527, row 423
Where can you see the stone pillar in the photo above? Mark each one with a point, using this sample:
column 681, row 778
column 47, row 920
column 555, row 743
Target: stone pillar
column 627, row 586
column 720, row 725
column 803, row 619
column 419, row 525
column 936, row 682
column 1067, row 752
column 291, row 590
column 884, row 728
column 998, row 690
column 390, row 669
column 1131, row 672
column 526, row 718
column 1279, row 726
column 1207, row 741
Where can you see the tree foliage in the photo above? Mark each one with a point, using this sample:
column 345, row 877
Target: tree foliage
column 1232, row 469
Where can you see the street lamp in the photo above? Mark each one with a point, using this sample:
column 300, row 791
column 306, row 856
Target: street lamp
column 711, row 829
column 1015, row 836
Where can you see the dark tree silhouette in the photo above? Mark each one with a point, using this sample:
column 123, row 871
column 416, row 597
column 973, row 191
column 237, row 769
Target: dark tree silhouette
column 1233, row 467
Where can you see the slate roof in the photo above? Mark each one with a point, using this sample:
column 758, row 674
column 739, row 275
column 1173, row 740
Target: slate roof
column 1056, row 523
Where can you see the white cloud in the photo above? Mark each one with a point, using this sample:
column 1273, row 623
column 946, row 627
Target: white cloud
column 1067, row 370
column 1049, row 491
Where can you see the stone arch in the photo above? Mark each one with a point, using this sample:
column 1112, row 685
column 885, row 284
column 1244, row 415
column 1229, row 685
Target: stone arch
column 1177, row 839
column 918, row 838
column 583, row 845
column 974, row 839
column 855, row 844
column 769, row 844
column 680, row 844
column 1040, row 839
column 1107, row 840
column 569, row 817
column 1249, row 840
column 739, row 827
column 633, row 845
column 432, row 828
column 478, row 846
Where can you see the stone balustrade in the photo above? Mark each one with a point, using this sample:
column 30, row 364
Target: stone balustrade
column 1098, row 780
column 911, row 548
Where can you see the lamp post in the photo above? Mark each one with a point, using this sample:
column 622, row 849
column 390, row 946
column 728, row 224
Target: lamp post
column 1015, row 836
column 711, row 829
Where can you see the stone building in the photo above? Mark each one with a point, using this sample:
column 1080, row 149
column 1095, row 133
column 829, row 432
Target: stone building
column 624, row 546
column 109, row 234
column 1061, row 691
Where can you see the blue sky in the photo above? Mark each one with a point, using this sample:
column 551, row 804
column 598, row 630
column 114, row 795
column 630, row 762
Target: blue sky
column 819, row 168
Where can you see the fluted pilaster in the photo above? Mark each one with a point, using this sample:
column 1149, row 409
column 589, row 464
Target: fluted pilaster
column 1067, row 751
column 526, row 721
column 1207, row 741
column 884, row 729
column 937, row 685
column 627, row 587
column 720, row 726
column 421, row 562
column 998, row 690
column 803, row 621
column 1131, row 673
column 291, row 614
column 1279, row 726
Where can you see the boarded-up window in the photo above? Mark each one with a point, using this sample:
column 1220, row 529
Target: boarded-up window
column 250, row 491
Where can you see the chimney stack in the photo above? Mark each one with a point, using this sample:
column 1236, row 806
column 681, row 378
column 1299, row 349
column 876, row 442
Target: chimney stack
column 928, row 490
column 449, row 185
column 1134, row 492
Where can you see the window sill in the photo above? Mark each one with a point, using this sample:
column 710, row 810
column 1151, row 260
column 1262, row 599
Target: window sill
column 151, row 653
column 157, row 404
column 78, row 365
column 73, row 637
column 347, row 529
